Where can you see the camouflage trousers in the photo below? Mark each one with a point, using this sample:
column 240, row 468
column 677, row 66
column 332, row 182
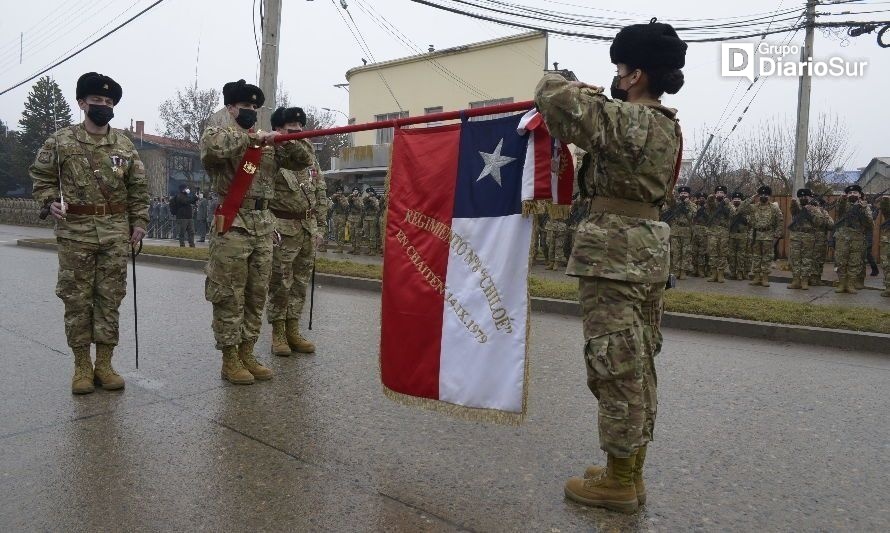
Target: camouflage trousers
column 556, row 241
column 681, row 253
column 700, row 257
column 885, row 257
column 761, row 257
column 339, row 229
column 237, row 282
column 372, row 236
column 849, row 252
column 820, row 253
column 718, row 248
column 622, row 331
column 291, row 267
column 92, row 283
column 355, row 231
column 803, row 250
column 739, row 255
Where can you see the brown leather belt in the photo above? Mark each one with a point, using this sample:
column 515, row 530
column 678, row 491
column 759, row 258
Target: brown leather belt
column 253, row 204
column 292, row 215
column 96, row 210
column 626, row 208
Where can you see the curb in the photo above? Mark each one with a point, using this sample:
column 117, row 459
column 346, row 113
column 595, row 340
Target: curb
column 833, row 338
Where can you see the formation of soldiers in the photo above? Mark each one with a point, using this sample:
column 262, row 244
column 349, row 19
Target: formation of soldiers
column 736, row 239
column 357, row 219
column 555, row 229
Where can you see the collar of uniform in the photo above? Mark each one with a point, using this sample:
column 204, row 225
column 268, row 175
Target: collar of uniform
column 82, row 135
column 655, row 104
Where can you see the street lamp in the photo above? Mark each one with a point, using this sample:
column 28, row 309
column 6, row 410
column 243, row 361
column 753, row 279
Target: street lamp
column 329, row 110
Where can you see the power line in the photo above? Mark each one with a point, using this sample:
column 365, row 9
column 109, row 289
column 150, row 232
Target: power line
column 54, row 65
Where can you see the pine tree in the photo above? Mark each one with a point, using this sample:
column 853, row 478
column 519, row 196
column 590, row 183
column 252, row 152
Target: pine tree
column 45, row 112
column 13, row 164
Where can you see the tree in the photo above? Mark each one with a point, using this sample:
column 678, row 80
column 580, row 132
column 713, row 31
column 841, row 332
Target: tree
column 185, row 115
column 45, row 112
column 714, row 168
column 317, row 119
column 13, row 163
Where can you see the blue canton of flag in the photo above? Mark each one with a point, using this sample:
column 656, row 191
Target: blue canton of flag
column 489, row 170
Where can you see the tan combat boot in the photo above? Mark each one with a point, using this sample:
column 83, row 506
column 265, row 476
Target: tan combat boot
column 795, row 282
column 248, row 359
column 849, row 285
column 596, row 471
column 82, row 382
column 280, row 346
column 841, row 285
column 682, row 275
column 720, row 278
column 805, row 283
column 755, row 280
column 104, row 376
column 232, row 369
column 297, row 342
column 612, row 489
column 551, row 265
column 859, row 283
column 713, row 277
column 764, row 280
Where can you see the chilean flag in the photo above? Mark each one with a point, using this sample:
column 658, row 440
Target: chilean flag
column 455, row 280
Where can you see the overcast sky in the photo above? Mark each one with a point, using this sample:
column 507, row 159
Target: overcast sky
column 158, row 53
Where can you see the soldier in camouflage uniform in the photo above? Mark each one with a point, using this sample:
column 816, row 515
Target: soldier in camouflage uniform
column 820, row 245
column 371, row 222
column 381, row 222
column 106, row 209
column 339, row 210
column 854, row 220
column 621, row 251
column 556, row 234
column 678, row 212
column 300, row 208
column 806, row 223
column 240, row 263
column 739, row 256
column 767, row 224
column 700, row 259
column 354, row 219
column 719, row 214
column 884, row 207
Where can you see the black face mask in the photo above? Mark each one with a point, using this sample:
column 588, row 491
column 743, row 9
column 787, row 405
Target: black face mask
column 100, row 115
column 246, row 118
column 764, row 199
column 804, row 201
column 615, row 91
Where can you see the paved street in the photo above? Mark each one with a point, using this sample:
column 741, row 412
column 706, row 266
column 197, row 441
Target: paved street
column 751, row 435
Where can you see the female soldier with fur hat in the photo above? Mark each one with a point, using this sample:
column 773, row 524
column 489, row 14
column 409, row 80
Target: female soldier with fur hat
column 621, row 251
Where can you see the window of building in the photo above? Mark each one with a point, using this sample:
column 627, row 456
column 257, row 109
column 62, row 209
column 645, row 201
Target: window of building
column 182, row 162
column 385, row 136
column 487, row 103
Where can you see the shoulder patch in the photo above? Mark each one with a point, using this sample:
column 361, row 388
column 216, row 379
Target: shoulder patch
column 44, row 156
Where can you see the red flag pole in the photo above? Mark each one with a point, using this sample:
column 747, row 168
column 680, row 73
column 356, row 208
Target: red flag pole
column 423, row 119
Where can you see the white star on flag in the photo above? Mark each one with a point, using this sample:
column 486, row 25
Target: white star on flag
column 493, row 163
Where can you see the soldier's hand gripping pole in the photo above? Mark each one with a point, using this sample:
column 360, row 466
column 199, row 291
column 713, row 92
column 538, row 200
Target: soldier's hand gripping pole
column 312, row 291
column 134, row 251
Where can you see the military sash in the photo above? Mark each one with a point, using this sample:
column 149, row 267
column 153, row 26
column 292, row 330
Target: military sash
column 224, row 216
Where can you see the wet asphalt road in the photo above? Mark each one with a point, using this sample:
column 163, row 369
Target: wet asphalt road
column 750, row 435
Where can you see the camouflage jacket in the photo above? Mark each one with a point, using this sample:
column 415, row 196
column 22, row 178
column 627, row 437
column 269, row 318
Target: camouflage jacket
column 740, row 223
column 766, row 219
column 339, row 204
column 856, row 217
column 679, row 214
column 719, row 214
column 222, row 149
column 85, row 161
column 807, row 218
column 370, row 206
column 633, row 149
column 355, row 205
column 299, row 192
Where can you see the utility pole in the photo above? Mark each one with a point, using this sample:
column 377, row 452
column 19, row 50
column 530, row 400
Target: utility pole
column 803, row 100
column 269, row 60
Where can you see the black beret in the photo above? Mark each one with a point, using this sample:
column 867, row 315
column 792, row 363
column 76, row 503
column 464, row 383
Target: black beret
column 648, row 45
column 852, row 188
column 356, row 189
column 737, row 195
column 804, row 192
column 239, row 91
column 719, row 188
column 93, row 83
column 684, row 189
column 370, row 190
column 283, row 116
column 339, row 188
column 765, row 189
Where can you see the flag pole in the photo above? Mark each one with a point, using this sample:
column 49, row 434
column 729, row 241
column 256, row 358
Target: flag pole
column 423, row 119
